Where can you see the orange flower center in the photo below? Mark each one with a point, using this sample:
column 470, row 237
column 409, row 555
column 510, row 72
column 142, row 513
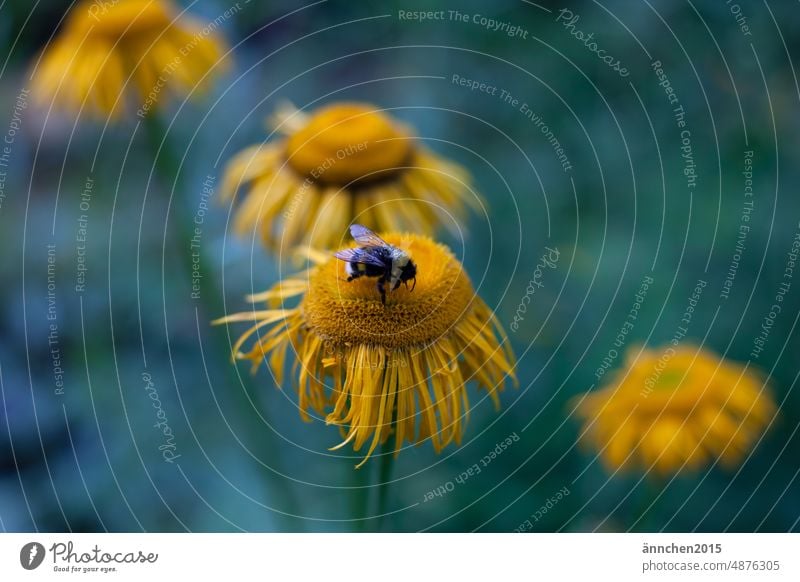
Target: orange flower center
column 352, row 313
column 348, row 142
column 670, row 380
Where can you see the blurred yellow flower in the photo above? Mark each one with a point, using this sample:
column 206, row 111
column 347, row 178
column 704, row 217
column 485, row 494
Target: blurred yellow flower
column 114, row 54
column 345, row 162
column 676, row 407
column 375, row 369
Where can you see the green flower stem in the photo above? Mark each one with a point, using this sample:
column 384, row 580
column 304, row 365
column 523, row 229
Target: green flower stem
column 368, row 516
column 650, row 489
column 359, row 498
column 384, row 477
column 385, row 463
column 260, row 440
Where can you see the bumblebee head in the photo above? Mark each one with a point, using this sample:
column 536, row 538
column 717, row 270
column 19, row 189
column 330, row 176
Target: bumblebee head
column 409, row 272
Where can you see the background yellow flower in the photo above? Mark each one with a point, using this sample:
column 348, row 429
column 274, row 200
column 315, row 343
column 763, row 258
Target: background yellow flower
column 111, row 57
column 346, row 162
column 400, row 367
column 675, row 408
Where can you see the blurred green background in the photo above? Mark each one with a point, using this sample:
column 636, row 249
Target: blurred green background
column 89, row 459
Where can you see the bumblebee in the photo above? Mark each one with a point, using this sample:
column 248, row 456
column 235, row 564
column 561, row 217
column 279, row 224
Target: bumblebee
column 377, row 258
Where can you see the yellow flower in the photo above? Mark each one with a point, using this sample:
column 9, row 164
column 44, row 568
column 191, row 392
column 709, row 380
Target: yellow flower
column 347, row 162
column 676, row 407
column 112, row 54
column 375, row 369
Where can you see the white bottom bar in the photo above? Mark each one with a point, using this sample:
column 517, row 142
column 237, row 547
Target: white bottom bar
column 400, row 557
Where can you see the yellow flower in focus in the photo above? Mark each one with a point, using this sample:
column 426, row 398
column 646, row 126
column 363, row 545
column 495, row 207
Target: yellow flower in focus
column 113, row 54
column 375, row 369
column 676, row 407
column 346, row 162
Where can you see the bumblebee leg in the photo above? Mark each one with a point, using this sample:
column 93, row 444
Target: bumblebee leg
column 354, row 276
column 396, row 285
column 382, row 291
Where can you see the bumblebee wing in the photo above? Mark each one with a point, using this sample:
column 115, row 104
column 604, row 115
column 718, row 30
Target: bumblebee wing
column 366, row 237
column 362, row 256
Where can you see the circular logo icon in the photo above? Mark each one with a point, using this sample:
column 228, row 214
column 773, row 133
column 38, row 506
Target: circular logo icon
column 31, row 555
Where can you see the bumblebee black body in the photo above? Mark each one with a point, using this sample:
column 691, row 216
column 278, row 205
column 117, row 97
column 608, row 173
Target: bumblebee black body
column 377, row 258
